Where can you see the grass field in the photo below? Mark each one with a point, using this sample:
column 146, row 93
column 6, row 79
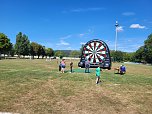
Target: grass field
column 36, row 86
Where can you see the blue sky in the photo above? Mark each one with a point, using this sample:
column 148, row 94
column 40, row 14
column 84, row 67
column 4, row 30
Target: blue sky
column 67, row 24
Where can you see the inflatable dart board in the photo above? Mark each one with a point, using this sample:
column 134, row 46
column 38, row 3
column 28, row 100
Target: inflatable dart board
column 97, row 52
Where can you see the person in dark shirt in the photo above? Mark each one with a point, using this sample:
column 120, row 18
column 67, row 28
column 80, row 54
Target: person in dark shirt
column 71, row 66
column 60, row 66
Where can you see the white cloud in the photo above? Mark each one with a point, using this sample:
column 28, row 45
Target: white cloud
column 137, row 26
column 81, row 35
column 120, row 29
column 87, row 9
column 63, row 43
column 82, row 43
column 69, row 48
column 65, row 37
column 78, row 10
column 128, row 13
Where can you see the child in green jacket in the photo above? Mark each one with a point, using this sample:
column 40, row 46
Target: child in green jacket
column 98, row 74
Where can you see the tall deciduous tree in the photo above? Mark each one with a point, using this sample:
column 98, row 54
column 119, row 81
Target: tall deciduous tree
column 144, row 53
column 148, row 49
column 139, row 55
column 39, row 51
column 22, row 45
column 49, row 52
column 34, row 47
column 18, row 44
column 60, row 54
column 43, row 51
column 5, row 44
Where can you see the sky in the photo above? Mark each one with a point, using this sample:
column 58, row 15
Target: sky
column 67, row 24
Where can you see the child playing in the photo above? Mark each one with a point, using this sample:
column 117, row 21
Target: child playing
column 98, row 74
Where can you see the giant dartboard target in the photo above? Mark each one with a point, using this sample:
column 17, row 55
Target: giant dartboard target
column 97, row 52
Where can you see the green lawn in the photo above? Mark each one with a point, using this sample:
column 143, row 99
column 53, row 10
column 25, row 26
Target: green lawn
column 36, row 86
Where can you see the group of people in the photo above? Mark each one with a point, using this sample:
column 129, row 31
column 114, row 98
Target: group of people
column 62, row 65
column 121, row 70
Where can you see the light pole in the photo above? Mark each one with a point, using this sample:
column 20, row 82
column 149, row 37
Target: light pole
column 116, row 35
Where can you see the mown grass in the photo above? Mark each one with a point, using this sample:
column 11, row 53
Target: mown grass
column 36, row 86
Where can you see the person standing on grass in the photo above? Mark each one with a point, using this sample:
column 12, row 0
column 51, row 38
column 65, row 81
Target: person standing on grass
column 98, row 74
column 87, row 66
column 60, row 66
column 63, row 65
column 71, row 65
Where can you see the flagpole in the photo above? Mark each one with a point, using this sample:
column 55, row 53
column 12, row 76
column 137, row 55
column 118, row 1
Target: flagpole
column 116, row 35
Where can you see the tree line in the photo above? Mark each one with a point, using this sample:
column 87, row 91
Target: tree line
column 23, row 47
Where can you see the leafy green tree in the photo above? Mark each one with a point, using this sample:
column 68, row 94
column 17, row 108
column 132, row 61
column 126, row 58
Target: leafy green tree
column 81, row 49
column 148, row 49
column 18, row 44
column 139, row 55
column 60, row 54
column 8, row 50
column 128, row 56
column 5, row 44
column 144, row 53
column 75, row 53
column 22, row 45
column 25, row 45
column 34, row 47
column 43, row 51
column 39, row 51
column 117, row 56
column 12, row 51
column 49, row 52
column 132, row 56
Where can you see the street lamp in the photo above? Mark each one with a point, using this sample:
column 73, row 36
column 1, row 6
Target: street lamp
column 116, row 35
